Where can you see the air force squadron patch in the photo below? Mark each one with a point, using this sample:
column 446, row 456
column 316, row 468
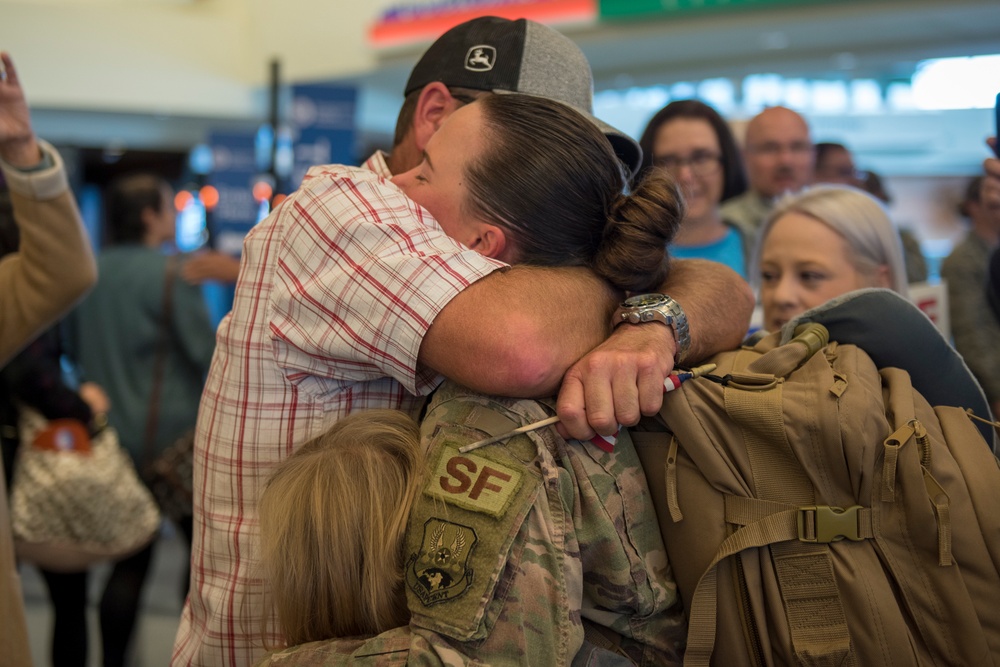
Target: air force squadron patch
column 473, row 482
column 463, row 525
column 440, row 570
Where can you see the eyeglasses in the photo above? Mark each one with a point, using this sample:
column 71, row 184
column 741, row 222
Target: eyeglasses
column 773, row 148
column 701, row 163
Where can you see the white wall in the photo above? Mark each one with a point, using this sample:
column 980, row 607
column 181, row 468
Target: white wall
column 184, row 57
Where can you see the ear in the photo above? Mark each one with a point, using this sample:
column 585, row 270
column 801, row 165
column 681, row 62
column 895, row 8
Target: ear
column 490, row 241
column 883, row 277
column 149, row 217
column 434, row 105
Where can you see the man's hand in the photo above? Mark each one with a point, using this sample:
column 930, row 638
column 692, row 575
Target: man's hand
column 95, row 397
column 210, row 265
column 617, row 382
column 18, row 145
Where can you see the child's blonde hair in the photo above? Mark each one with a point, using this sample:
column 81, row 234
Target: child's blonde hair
column 332, row 521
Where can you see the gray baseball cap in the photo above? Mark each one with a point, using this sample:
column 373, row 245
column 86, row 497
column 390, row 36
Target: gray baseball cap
column 522, row 56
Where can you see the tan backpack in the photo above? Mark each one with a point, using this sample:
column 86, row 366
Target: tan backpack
column 818, row 511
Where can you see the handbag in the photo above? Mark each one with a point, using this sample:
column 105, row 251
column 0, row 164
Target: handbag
column 169, row 475
column 170, row 478
column 76, row 500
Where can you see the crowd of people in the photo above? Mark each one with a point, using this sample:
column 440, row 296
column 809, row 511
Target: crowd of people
column 387, row 317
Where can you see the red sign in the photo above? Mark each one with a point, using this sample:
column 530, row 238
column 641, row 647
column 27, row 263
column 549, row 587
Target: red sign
column 422, row 24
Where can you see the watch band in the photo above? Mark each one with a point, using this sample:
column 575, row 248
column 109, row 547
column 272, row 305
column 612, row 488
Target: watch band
column 657, row 308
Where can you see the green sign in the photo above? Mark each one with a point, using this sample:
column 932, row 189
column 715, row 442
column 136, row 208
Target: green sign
column 633, row 9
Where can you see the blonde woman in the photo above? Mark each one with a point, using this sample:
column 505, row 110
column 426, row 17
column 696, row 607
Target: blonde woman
column 822, row 243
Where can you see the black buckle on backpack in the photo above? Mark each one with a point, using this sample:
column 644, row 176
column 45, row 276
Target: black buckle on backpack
column 825, row 524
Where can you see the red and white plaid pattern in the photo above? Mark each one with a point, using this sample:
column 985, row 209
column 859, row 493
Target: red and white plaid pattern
column 337, row 288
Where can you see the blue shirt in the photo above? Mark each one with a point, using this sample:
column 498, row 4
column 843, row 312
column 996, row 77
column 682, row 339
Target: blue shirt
column 728, row 250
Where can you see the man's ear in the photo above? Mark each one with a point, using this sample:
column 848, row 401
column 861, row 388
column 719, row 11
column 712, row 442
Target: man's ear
column 490, row 241
column 149, row 217
column 434, row 104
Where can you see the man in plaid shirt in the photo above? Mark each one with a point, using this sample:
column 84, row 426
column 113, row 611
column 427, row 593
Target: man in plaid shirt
column 351, row 297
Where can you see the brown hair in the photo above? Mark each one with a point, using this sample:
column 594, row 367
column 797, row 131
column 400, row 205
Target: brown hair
column 734, row 176
column 125, row 201
column 552, row 180
column 332, row 521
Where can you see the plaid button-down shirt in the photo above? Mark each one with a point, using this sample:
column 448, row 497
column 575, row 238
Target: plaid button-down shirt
column 337, row 288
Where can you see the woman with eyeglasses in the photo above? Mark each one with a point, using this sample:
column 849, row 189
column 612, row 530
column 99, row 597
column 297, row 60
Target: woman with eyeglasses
column 691, row 141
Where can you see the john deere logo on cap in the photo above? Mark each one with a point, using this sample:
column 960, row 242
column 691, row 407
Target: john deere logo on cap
column 480, row 58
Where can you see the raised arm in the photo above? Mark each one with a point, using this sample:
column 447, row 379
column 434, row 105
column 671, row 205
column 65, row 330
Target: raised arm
column 54, row 265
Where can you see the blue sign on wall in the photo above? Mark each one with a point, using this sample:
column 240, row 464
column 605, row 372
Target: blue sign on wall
column 323, row 124
column 233, row 172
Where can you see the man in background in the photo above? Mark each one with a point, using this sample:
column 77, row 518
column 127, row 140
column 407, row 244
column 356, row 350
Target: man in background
column 835, row 164
column 975, row 330
column 779, row 157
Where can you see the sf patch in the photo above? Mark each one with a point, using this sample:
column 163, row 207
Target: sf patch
column 473, row 482
column 440, row 570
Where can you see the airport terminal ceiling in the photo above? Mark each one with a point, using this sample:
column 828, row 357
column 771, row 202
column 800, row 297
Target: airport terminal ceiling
column 881, row 40
column 851, row 39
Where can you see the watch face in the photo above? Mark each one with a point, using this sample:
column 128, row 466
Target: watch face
column 646, row 300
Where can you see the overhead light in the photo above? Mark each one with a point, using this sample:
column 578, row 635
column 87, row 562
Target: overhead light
column 957, row 83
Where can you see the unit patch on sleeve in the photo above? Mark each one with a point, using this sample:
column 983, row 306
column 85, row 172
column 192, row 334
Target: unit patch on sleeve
column 463, row 526
column 473, row 482
column 440, row 570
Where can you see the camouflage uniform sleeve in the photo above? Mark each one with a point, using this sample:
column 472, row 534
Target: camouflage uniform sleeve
column 492, row 565
column 389, row 649
column 628, row 586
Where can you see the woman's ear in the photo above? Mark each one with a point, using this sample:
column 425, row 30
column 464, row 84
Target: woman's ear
column 490, row 241
column 434, row 105
column 883, row 277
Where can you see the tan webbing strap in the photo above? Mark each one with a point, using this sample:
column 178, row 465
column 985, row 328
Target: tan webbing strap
column 704, row 604
column 900, row 405
column 942, row 512
column 815, row 614
column 810, row 523
column 891, row 447
column 780, row 526
column 671, row 472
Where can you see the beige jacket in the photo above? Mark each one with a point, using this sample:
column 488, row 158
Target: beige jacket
column 52, row 270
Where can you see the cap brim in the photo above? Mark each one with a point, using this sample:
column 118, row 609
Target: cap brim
column 626, row 148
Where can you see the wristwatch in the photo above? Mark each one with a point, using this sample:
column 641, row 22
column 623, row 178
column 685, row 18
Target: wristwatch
column 656, row 308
